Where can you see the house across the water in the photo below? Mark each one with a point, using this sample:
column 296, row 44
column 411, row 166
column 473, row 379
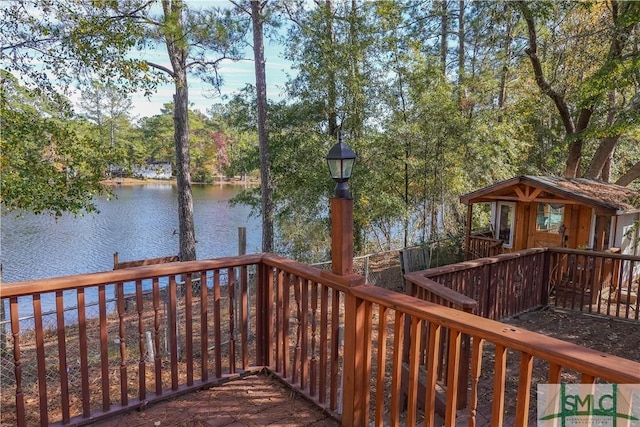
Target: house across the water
column 154, row 170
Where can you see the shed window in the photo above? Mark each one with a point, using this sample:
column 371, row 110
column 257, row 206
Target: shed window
column 505, row 223
column 550, row 217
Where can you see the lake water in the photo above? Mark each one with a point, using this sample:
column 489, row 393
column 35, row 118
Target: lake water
column 139, row 223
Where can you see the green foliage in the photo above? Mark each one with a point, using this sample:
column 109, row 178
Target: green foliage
column 46, row 166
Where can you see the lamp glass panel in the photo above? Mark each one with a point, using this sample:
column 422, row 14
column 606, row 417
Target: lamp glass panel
column 335, row 168
column 347, row 167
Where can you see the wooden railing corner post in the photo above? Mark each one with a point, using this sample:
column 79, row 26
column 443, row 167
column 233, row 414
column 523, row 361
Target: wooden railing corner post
column 264, row 310
column 355, row 379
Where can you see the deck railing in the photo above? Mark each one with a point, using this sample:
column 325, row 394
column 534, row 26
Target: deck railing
column 481, row 246
column 212, row 321
column 595, row 282
column 503, row 285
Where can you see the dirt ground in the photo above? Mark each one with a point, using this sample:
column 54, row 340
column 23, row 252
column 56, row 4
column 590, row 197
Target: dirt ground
column 606, row 334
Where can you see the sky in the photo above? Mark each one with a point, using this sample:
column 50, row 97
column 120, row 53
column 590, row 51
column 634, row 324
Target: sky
column 235, row 76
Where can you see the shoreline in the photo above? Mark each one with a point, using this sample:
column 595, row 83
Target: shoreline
column 118, row 182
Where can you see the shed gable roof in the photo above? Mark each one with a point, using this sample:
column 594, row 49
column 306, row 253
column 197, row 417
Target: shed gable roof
column 610, row 198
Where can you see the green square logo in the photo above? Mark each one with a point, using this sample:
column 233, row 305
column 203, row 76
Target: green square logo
column 584, row 405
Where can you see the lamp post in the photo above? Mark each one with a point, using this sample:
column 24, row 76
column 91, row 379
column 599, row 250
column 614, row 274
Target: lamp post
column 340, row 160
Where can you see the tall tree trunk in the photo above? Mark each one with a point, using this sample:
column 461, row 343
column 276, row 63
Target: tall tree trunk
column 183, row 166
column 177, row 56
column 572, row 130
column 263, row 128
column 604, row 152
column 461, row 58
column 444, row 47
column 506, row 61
column 332, row 93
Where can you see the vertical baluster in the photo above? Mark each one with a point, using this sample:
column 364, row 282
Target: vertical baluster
column 453, row 371
column 84, row 365
column 626, row 299
column 364, row 380
column 396, row 369
column 188, row 324
column 324, row 341
column 260, row 315
column 232, row 339
column 500, row 372
column 314, row 324
column 476, row 369
column 142, row 377
column 104, row 346
column 217, row 323
column 617, row 274
column 335, row 348
column 204, row 331
column 157, row 362
column 285, row 323
column 555, row 373
column 595, row 285
column 524, row 389
column 278, row 332
column 435, row 331
column 40, row 359
column 414, row 366
column 17, row 361
column 587, row 379
column 173, row 338
column 295, row 282
column 270, row 273
column 244, row 315
column 637, row 309
column 62, row 357
column 124, row 398
column 304, row 359
column 382, row 359
column 575, row 280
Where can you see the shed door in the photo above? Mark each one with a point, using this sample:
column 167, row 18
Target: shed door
column 547, row 228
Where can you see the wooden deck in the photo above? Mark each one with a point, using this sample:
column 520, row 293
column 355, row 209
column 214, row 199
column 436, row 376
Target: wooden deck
column 256, row 400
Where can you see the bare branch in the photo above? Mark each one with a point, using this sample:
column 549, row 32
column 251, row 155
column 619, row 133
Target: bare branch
column 161, row 68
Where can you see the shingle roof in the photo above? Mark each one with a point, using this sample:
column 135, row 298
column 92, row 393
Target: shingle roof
column 599, row 194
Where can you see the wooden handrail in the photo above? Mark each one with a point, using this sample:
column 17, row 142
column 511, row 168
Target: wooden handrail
column 457, row 299
column 597, row 364
column 18, row 289
column 467, row 265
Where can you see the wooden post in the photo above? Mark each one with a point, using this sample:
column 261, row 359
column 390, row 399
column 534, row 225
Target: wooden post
column 242, row 240
column 467, row 233
column 342, row 236
column 356, row 369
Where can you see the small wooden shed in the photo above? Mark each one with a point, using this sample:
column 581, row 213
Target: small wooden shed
column 549, row 211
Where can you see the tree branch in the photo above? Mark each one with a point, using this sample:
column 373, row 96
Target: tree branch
column 632, row 174
column 161, row 68
column 545, row 87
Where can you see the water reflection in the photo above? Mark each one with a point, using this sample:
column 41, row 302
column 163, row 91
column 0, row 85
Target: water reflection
column 142, row 222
